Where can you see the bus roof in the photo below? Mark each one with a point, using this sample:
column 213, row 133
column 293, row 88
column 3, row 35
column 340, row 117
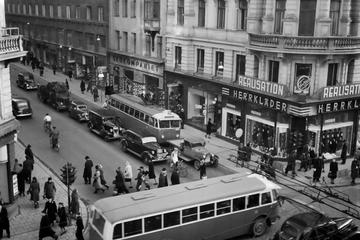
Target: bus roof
column 164, row 199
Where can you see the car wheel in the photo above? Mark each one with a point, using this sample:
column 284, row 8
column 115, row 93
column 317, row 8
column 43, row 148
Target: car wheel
column 123, row 146
column 197, row 164
column 215, row 162
column 259, row 227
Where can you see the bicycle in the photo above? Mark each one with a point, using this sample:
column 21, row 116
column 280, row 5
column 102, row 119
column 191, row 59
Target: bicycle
column 47, row 127
column 56, row 146
column 183, row 171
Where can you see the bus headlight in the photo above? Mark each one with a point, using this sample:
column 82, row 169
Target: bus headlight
column 162, row 136
column 177, row 135
column 204, row 156
column 152, row 152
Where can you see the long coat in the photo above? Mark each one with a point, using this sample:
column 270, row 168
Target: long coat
column 163, row 181
column 49, row 190
column 79, row 228
column 175, row 178
column 128, row 174
column 82, row 85
column 119, row 183
column 97, row 181
column 34, row 191
column 333, row 170
column 88, row 168
column 151, row 170
column 4, row 218
column 344, row 151
column 29, row 153
column 355, row 169
column 62, row 217
column 51, row 210
column 74, row 204
column 45, row 228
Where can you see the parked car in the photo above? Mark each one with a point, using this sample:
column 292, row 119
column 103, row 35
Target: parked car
column 104, row 125
column 78, row 111
column 143, row 147
column 193, row 150
column 21, row 107
column 26, row 81
column 55, row 94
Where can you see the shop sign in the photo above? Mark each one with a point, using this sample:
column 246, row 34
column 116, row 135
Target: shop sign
column 339, row 106
column 302, row 85
column 263, row 86
column 341, row 91
column 264, row 101
column 138, row 64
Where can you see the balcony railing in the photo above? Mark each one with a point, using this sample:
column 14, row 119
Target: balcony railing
column 152, row 24
column 286, row 43
column 10, row 42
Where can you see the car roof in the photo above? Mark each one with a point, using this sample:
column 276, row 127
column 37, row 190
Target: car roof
column 309, row 219
column 76, row 102
column 20, row 99
column 194, row 140
column 130, row 131
column 102, row 112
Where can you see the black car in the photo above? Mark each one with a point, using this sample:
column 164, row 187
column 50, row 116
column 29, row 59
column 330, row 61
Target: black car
column 78, row 111
column 104, row 125
column 143, row 147
column 26, row 81
column 21, row 107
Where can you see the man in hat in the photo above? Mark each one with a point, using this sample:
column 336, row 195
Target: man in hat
column 141, row 179
column 49, row 189
column 163, row 181
column 88, row 170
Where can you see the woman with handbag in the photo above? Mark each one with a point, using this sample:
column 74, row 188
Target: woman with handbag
column 333, row 170
column 34, row 191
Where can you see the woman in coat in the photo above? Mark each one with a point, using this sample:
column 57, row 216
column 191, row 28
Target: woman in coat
column 79, row 228
column 128, row 173
column 62, row 217
column 45, row 228
column 34, row 191
column 82, row 86
column 74, row 204
column 97, row 180
column 333, row 170
column 152, row 171
column 163, row 181
column 119, row 182
column 51, row 210
column 202, row 169
column 175, row 178
column 354, row 170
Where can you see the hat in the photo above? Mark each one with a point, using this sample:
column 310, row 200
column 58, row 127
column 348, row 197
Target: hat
column 49, row 178
column 164, row 169
column 29, row 145
column 141, row 168
column 87, row 157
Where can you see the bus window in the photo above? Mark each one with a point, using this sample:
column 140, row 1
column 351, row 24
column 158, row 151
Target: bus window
column 151, row 121
column 171, row 219
column 155, row 121
column 223, row 207
column 189, row 215
column 122, row 107
column 117, row 231
column 147, row 119
column 99, row 222
column 152, row 223
column 136, row 114
column 238, row 204
column 164, row 124
column 131, row 111
column 132, row 227
column 253, row 200
column 265, row 198
column 126, row 109
column 175, row 123
column 117, row 104
column 207, row 211
column 141, row 117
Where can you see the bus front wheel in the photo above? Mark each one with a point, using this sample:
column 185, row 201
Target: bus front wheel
column 259, row 227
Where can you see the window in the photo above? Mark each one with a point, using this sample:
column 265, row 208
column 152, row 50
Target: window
column 164, row 124
column 238, row 204
column 88, row 13
column 177, row 57
column 24, row 9
column 98, row 222
column 59, row 11
column 279, row 16
column 200, row 60
column 253, row 200
column 19, row 8
column 30, row 9
column 124, row 8
column 141, row 117
column 332, row 74
column 180, row 12
column 302, row 78
column 116, row 8
column 117, row 231
column 207, row 211
column 307, row 17
column 136, row 114
column 265, row 198
column 100, row 14
column 201, row 17
column 240, row 65
column 68, row 12
column 147, row 45
column 189, row 215
column 43, row 10
column 118, row 37
column 223, row 207
column 273, row 71
column 131, row 111
column 219, row 63
column 36, row 10
column 152, row 9
column 125, row 40
column 134, row 41
column 159, row 46
column 51, row 11
column 350, row 72
column 171, row 219
column 133, row 8
column 221, row 14
column 152, row 223
column 132, row 227
column 242, row 15
column 335, row 16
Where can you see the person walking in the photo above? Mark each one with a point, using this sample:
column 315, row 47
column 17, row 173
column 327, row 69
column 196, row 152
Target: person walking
column 343, row 153
column 102, row 178
column 41, row 68
column 291, row 161
column 4, row 221
column 95, row 94
column 74, row 203
column 97, row 181
column 27, row 169
column 317, row 169
column 70, row 74
column 248, row 152
column 209, row 127
column 79, row 228
column 175, row 177
column 88, row 170
column 28, row 152
column 128, row 174
column 120, row 182
column 89, row 86
column 163, row 181
column 45, row 228
column 140, row 178
column 34, row 191
column 51, row 210
column 21, row 182
column 355, row 168
column 82, row 86
column 151, row 170
column 54, row 68
column 333, row 170
column 202, row 169
column 63, row 218
column 49, row 189
column 67, row 84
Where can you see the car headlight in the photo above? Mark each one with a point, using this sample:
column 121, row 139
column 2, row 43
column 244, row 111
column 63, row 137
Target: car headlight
column 162, row 136
column 177, row 135
column 61, row 103
column 152, row 152
column 204, row 156
column 111, row 130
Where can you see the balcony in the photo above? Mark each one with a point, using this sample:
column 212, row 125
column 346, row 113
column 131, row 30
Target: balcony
column 304, row 45
column 152, row 25
column 10, row 44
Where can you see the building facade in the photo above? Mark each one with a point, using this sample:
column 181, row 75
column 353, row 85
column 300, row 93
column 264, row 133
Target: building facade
column 136, row 47
column 10, row 50
column 70, row 34
column 278, row 74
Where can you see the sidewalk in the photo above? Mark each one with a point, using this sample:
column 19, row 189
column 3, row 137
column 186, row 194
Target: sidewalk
column 24, row 218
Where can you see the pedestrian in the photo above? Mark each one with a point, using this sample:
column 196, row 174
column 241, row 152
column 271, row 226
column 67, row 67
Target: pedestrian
column 82, row 86
column 175, row 178
column 151, row 170
column 120, row 182
column 95, row 94
column 28, row 152
column 27, row 169
column 291, row 161
column 4, row 221
column 209, row 127
column 317, row 169
column 333, row 170
column 343, row 153
column 62, row 217
column 174, row 157
column 88, row 170
column 102, row 178
column 202, row 169
column 182, row 116
column 248, row 152
column 79, row 228
column 17, row 167
column 139, row 178
column 70, row 74
column 355, row 168
column 163, row 181
column 21, row 182
column 45, row 228
column 128, row 174
column 51, row 210
column 97, row 181
column 33, row 65
column 89, row 86
column 34, row 191
column 41, row 68
column 67, row 84
column 54, row 68
column 49, row 189
column 304, row 161
column 74, row 203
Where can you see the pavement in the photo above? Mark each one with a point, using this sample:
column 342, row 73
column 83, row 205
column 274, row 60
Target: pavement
column 24, row 223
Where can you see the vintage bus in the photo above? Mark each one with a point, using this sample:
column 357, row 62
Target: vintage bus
column 146, row 120
column 215, row 208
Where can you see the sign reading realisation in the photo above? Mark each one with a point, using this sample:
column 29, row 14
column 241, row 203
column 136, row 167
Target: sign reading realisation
column 137, row 64
column 264, row 101
column 339, row 106
column 260, row 85
column 341, row 91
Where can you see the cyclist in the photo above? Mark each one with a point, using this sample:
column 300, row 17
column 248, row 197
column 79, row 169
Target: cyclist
column 47, row 122
column 54, row 137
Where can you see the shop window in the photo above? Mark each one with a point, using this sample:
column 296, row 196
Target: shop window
column 238, row 204
column 233, row 122
column 273, row 71
column 242, row 15
column 133, row 227
column 219, row 63
column 200, row 60
column 332, row 74
column 171, row 219
column 279, row 16
column 260, row 133
column 253, row 200
column 307, row 17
